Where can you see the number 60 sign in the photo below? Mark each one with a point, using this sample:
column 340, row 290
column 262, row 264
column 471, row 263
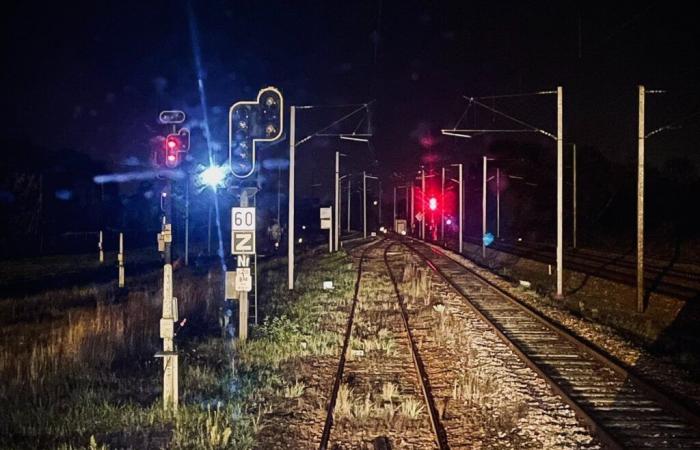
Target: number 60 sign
column 243, row 219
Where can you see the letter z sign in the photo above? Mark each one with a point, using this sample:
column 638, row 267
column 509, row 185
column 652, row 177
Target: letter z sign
column 243, row 231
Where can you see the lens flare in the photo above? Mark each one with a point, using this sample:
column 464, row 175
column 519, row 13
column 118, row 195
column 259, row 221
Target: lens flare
column 213, row 176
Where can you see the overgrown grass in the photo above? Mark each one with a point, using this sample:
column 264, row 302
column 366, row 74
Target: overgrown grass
column 89, row 379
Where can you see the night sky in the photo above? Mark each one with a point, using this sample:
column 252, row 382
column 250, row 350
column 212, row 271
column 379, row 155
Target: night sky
column 93, row 77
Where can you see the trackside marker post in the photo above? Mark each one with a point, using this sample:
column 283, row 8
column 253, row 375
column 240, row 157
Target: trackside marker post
column 120, row 260
column 100, row 247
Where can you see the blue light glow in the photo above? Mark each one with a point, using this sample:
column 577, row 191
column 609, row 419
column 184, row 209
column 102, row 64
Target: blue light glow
column 213, row 176
column 488, row 239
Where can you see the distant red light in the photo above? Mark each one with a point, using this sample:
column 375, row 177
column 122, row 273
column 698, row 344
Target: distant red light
column 172, row 144
column 171, row 157
column 432, row 203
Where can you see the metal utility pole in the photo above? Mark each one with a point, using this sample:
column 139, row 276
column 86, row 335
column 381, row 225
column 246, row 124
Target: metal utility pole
column 290, row 220
column 442, row 207
column 336, row 208
column 422, row 188
column 640, row 201
column 187, row 220
column 460, row 183
column 560, row 191
column 461, row 207
column 379, row 203
column 279, row 191
column 349, row 201
column 393, row 223
column 498, row 202
column 575, row 218
column 483, row 212
column 364, row 200
column 413, row 205
column 364, row 204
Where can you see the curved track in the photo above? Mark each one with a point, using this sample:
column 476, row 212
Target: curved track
column 621, row 408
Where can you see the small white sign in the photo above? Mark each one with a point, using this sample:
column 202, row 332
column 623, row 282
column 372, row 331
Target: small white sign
column 243, row 219
column 243, row 261
column 327, row 285
column 244, row 282
column 243, row 242
column 326, row 213
column 326, row 224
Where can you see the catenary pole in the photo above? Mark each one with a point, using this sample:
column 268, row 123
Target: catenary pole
column 364, row 204
column 483, row 211
column 575, row 218
column 290, row 220
column 349, row 201
column 640, row 200
column 461, row 208
column 442, row 206
column 336, row 208
column 498, row 202
column 393, row 223
column 560, row 191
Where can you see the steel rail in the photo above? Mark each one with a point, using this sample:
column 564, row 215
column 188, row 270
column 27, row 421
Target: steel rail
column 623, row 372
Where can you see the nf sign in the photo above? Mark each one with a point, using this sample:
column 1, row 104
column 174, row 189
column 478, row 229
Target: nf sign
column 243, row 219
column 243, row 242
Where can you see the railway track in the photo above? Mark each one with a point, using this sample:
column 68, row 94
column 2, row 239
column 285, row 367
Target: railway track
column 618, row 406
column 406, row 368
column 664, row 279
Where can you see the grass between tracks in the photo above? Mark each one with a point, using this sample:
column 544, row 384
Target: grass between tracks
column 88, row 379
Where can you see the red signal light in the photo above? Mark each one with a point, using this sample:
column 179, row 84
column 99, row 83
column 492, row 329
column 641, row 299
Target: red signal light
column 172, row 158
column 171, row 143
column 432, row 203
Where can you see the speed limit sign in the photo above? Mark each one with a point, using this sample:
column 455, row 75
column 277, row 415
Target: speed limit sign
column 243, row 219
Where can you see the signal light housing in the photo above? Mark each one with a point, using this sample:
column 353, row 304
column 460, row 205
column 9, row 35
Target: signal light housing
column 251, row 122
column 176, row 143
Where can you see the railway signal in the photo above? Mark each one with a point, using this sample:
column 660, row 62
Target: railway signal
column 175, row 144
column 251, row 122
column 432, row 203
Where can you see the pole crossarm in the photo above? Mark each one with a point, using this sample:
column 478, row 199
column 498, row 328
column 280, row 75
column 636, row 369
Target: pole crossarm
column 456, row 133
column 511, row 118
column 526, row 94
column 484, row 130
column 321, row 131
column 341, row 135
